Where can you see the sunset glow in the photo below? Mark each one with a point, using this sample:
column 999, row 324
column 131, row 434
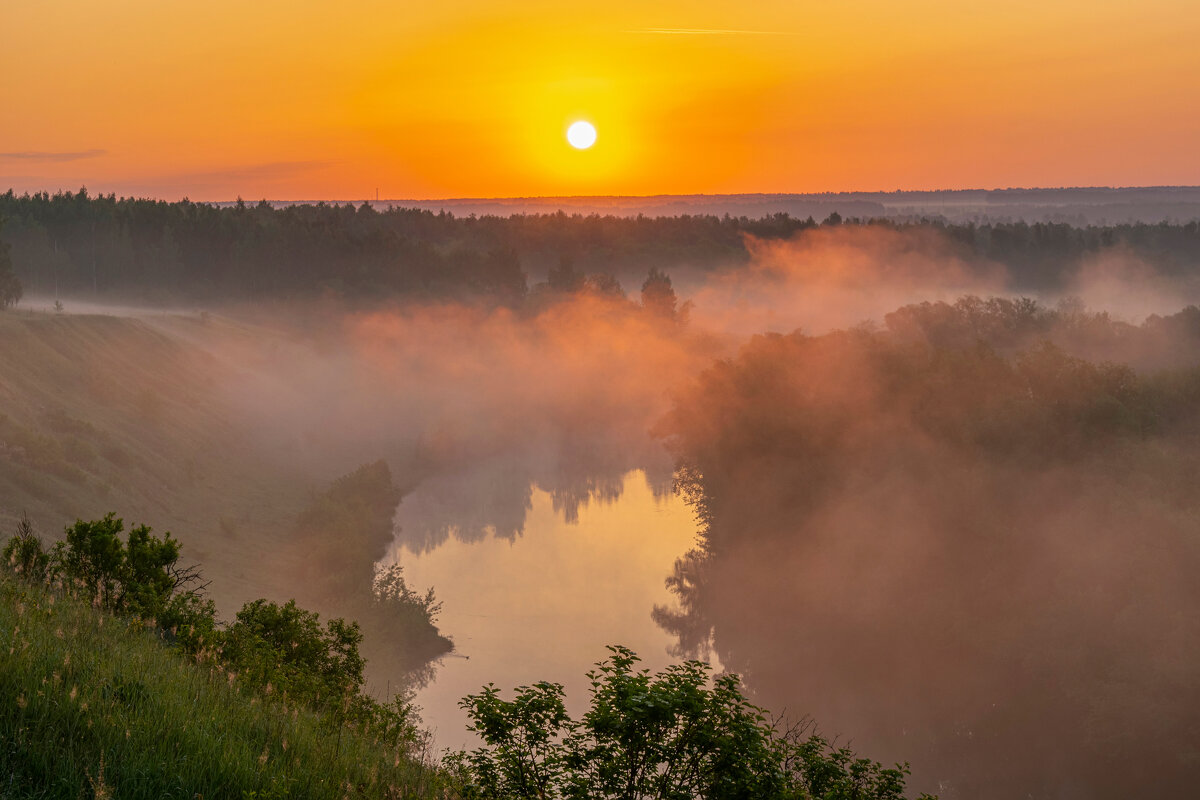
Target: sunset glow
column 305, row 100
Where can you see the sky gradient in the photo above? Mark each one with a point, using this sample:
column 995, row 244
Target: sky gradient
column 302, row 100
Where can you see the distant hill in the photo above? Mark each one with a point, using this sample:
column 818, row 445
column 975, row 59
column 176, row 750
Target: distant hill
column 1077, row 205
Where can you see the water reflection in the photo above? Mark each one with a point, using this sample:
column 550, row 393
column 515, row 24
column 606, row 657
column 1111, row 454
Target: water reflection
column 493, row 496
column 566, row 574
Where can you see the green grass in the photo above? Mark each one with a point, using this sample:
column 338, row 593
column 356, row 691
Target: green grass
column 95, row 706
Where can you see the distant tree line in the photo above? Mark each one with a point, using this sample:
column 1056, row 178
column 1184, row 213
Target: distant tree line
column 77, row 243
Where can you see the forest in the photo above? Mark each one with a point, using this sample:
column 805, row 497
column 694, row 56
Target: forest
column 76, row 244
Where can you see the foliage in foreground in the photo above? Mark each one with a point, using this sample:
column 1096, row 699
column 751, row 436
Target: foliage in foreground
column 93, row 705
column 674, row 735
column 272, row 704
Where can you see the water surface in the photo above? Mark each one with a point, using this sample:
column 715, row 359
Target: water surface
column 543, row 604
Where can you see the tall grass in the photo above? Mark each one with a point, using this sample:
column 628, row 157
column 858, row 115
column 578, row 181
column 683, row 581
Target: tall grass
column 92, row 705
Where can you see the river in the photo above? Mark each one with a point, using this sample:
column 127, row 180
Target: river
column 543, row 604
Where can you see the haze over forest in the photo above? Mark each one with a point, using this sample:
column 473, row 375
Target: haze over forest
column 942, row 473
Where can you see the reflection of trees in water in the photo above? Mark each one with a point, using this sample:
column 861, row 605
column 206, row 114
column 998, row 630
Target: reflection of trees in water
column 468, row 505
column 979, row 564
column 603, row 490
column 334, row 547
column 493, row 496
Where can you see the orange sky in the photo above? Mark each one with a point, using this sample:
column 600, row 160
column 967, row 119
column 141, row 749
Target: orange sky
column 471, row 98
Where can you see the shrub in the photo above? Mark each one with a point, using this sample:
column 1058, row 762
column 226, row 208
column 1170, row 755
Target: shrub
column 674, row 735
column 24, row 552
column 139, row 577
column 286, row 646
column 272, row 649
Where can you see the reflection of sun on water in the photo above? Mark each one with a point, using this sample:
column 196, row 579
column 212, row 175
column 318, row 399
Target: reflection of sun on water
column 544, row 606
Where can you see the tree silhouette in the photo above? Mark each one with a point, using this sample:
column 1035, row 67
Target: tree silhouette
column 10, row 287
column 658, row 297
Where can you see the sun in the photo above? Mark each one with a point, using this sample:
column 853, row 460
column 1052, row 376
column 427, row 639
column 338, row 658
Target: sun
column 581, row 135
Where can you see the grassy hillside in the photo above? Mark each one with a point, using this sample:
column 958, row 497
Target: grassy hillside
column 95, row 706
column 160, row 416
column 98, row 412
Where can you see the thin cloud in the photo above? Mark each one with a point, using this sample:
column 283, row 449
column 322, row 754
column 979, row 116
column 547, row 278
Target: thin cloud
column 41, row 155
column 263, row 172
column 268, row 170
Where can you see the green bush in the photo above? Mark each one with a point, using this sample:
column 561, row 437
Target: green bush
column 286, row 647
column 140, row 577
column 94, row 706
column 24, row 553
column 270, row 648
column 410, row 616
column 674, row 735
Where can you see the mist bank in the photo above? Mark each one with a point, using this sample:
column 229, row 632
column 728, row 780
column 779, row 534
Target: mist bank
column 224, row 423
column 101, row 412
column 958, row 547
column 228, row 427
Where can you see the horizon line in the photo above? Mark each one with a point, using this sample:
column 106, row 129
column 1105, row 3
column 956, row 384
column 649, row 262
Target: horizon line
column 658, row 196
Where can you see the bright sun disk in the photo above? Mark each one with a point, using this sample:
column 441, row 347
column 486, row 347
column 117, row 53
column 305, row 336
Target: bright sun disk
column 581, row 135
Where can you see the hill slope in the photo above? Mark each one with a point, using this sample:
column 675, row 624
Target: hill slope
column 95, row 706
column 102, row 412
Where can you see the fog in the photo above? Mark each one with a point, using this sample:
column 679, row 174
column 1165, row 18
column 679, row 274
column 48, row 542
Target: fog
column 475, row 403
column 941, row 538
column 946, row 574
column 841, row 276
column 1130, row 287
column 980, row 561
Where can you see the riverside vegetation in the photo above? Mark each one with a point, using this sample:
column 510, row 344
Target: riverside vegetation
column 117, row 680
